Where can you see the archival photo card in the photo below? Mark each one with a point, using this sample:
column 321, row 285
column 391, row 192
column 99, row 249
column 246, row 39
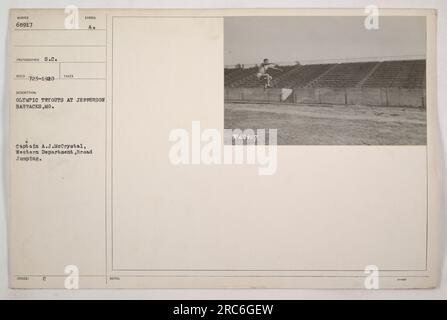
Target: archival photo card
column 239, row 148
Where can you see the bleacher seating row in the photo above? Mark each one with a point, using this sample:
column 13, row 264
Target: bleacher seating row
column 401, row 74
column 345, row 75
column 252, row 80
column 404, row 74
column 302, row 75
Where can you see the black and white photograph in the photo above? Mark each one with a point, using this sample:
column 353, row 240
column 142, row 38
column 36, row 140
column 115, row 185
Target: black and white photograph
column 327, row 80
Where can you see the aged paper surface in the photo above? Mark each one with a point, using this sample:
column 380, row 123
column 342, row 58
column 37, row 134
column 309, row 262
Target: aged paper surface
column 95, row 195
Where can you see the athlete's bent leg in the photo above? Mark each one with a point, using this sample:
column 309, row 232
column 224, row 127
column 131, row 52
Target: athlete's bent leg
column 269, row 79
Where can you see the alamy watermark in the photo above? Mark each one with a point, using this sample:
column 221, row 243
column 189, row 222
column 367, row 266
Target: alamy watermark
column 72, row 17
column 72, row 278
column 372, row 277
column 372, row 17
column 235, row 147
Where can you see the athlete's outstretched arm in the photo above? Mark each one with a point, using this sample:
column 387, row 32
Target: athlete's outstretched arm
column 274, row 67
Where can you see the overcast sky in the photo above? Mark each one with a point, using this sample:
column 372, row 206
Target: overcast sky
column 319, row 39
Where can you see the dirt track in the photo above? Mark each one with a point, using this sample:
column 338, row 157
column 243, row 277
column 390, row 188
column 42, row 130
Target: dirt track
column 331, row 125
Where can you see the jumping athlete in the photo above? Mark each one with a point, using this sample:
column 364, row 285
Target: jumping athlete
column 262, row 72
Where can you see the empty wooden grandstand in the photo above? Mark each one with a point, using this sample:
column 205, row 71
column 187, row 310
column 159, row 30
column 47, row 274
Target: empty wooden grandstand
column 345, row 75
column 386, row 74
column 233, row 76
column 301, row 76
column 252, row 80
column 398, row 74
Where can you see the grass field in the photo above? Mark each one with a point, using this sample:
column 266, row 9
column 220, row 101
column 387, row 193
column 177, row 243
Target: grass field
column 331, row 125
